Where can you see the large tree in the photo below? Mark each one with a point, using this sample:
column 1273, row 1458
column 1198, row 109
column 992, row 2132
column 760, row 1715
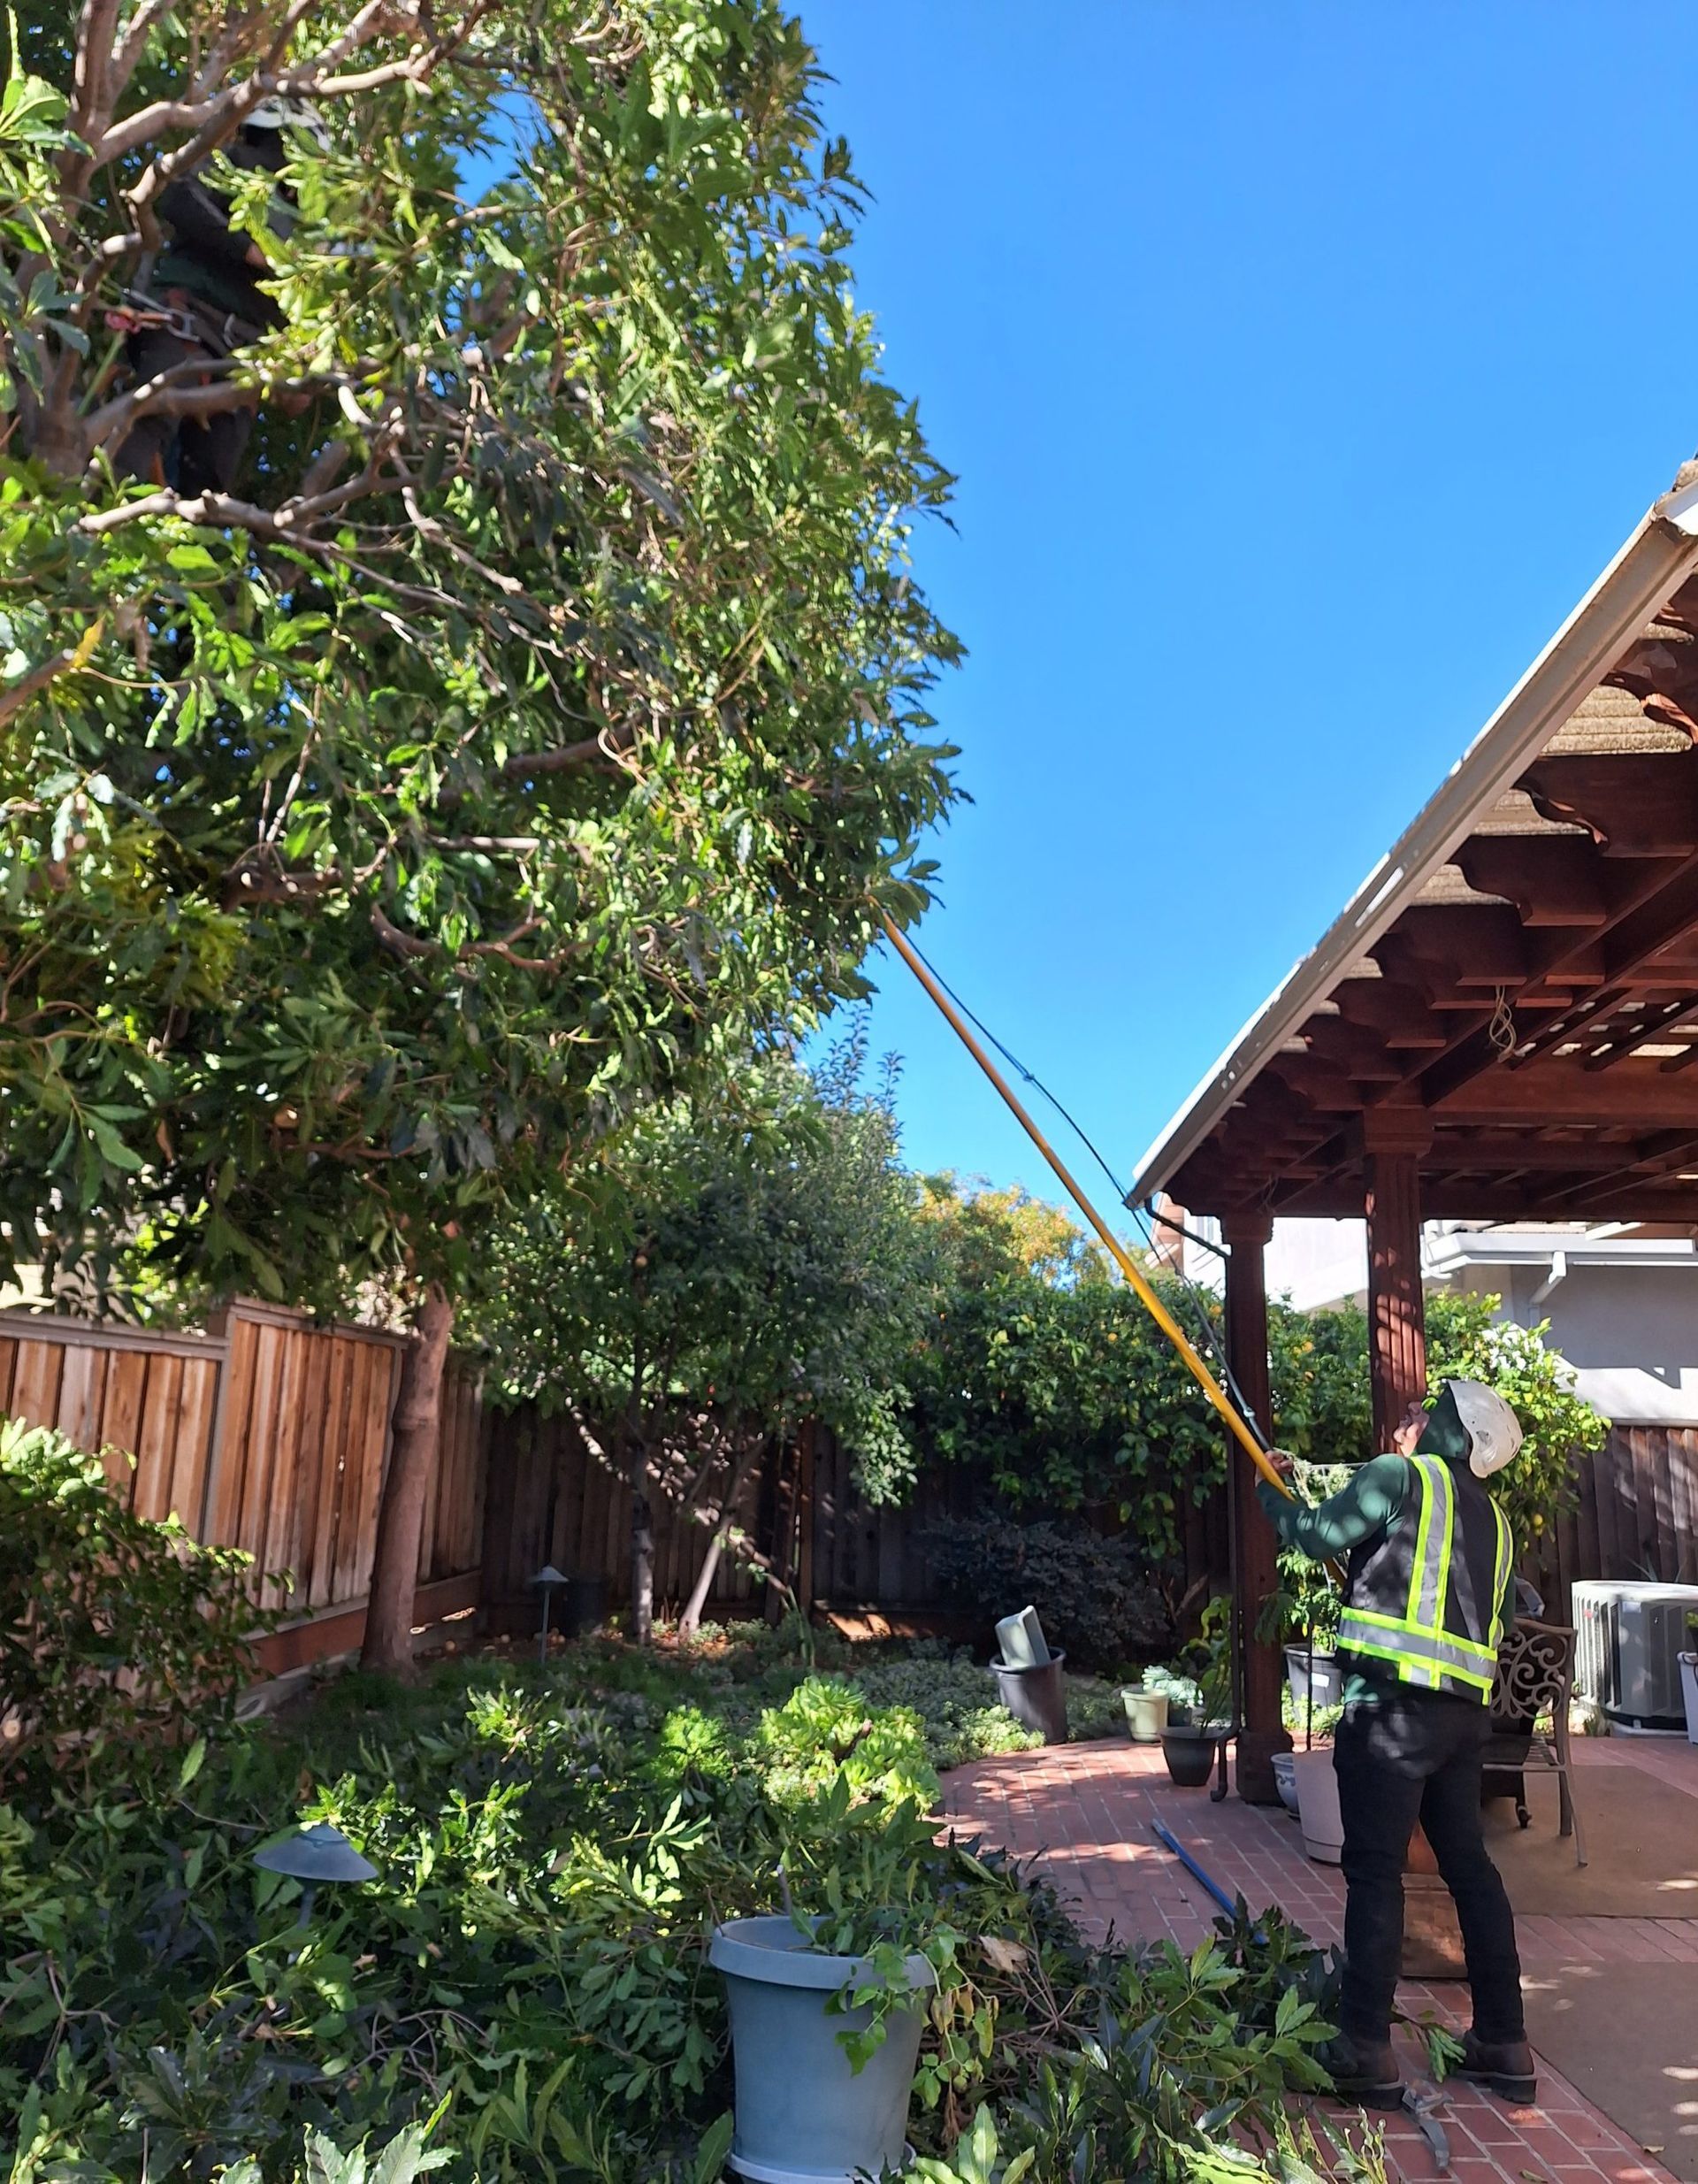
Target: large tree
column 747, row 1266
column 540, row 717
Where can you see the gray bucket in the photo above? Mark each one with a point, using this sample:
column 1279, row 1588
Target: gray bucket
column 1022, row 1640
column 1318, row 1677
column 803, row 2116
column 1036, row 1697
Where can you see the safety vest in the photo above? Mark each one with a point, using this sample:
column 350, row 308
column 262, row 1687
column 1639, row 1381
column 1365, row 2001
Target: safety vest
column 1426, row 1598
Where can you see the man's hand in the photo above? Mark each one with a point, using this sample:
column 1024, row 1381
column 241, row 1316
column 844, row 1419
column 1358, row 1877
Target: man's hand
column 1282, row 1464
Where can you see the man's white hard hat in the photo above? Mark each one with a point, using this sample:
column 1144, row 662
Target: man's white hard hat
column 290, row 113
column 1493, row 1428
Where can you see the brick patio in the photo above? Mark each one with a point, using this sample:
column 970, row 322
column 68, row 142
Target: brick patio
column 1087, row 1809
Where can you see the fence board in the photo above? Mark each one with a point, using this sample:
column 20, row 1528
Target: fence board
column 269, row 1434
column 35, row 1382
column 193, row 1438
column 155, row 1439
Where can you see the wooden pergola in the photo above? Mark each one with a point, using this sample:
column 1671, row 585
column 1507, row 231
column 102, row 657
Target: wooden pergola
column 1503, row 1023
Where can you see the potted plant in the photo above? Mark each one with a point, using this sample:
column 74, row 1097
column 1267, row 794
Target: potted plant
column 1689, row 1679
column 1198, row 1706
column 826, row 2008
column 1146, row 1708
column 1303, row 1614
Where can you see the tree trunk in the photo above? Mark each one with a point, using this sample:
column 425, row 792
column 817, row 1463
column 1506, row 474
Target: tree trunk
column 642, row 1544
column 401, row 1514
column 690, row 1622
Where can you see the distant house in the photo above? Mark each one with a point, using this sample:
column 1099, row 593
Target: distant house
column 1621, row 1297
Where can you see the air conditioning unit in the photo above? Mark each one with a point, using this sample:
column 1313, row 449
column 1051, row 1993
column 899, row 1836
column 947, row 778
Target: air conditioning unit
column 1628, row 1641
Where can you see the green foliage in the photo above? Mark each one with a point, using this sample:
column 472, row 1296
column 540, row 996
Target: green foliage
column 539, row 725
column 735, row 1267
column 826, row 1729
column 118, row 1632
column 1094, row 1593
column 1052, row 1381
column 533, row 1949
column 955, row 1703
column 1467, row 1342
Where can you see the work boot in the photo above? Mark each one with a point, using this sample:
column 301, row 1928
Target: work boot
column 1503, row 2066
column 1363, row 2070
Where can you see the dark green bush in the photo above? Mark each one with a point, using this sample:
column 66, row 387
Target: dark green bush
column 115, row 1631
column 1096, row 1596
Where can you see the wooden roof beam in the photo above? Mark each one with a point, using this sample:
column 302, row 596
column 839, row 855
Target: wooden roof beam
column 1645, row 805
column 1561, row 1090
column 1552, row 880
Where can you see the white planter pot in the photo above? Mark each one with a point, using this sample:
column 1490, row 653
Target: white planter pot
column 1323, row 1831
column 1146, row 1714
column 1689, row 1689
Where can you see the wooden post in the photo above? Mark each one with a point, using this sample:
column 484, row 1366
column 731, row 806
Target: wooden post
column 1394, row 1140
column 1246, row 1233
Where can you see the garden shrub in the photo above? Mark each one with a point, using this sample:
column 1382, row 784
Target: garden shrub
column 1096, row 1595
column 116, row 1629
column 955, row 1703
column 552, row 1858
column 826, row 1726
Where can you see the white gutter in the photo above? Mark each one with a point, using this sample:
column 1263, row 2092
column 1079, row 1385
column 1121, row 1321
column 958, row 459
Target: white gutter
column 1657, row 559
column 1533, row 1247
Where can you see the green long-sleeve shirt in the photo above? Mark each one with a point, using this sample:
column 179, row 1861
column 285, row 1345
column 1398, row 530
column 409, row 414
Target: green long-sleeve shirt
column 1361, row 1512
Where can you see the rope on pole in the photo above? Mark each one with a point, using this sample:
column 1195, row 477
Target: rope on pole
column 1135, row 1278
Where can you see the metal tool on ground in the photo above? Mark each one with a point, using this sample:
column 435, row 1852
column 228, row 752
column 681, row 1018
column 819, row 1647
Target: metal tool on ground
column 1169, row 1841
column 1425, row 2108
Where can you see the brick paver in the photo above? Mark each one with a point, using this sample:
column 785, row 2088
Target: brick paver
column 1087, row 1810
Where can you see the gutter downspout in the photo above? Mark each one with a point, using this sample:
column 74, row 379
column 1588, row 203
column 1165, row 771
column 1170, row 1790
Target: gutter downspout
column 1558, row 1273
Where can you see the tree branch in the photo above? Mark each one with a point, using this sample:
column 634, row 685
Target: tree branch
column 593, row 751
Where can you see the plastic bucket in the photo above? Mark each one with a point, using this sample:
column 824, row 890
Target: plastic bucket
column 1036, row 1697
column 803, row 2116
column 1146, row 1714
column 1324, row 1680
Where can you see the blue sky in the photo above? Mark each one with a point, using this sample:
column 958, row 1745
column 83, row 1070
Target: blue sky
column 1302, row 365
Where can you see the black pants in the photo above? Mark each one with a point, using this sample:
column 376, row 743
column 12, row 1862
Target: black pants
column 191, row 455
column 1416, row 1755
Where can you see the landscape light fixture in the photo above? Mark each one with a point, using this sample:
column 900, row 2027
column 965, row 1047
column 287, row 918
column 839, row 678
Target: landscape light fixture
column 313, row 1856
column 546, row 1580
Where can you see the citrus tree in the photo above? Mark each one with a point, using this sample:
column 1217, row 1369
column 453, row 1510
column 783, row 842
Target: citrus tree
column 538, row 720
column 739, row 1269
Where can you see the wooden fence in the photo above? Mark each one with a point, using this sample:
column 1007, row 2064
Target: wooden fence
column 270, row 1434
column 1638, row 1513
column 266, row 1433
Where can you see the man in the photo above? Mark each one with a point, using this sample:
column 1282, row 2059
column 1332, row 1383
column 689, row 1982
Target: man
column 204, row 301
column 1430, row 1589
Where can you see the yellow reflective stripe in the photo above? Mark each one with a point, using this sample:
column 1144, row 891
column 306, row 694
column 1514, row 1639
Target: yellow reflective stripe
column 1429, row 1586
column 1418, row 1667
column 1500, row 1573
column 1443, row 1645
column 1423, row 1539
column 1446, row 1487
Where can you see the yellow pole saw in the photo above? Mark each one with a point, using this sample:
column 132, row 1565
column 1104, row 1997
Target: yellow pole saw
column 1242, row 1432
